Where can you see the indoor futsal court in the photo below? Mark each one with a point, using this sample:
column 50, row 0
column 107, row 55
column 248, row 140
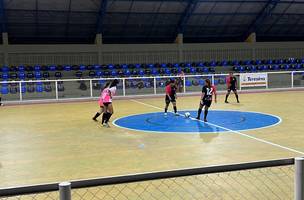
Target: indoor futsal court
column 151, row 99
column 76, row 147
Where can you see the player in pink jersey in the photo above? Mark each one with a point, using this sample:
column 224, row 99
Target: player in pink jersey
column 107, row 96
column 100, row 103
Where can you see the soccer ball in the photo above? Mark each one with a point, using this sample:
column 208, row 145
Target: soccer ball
column 187, row 114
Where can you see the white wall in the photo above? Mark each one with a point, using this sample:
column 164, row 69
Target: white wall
column 145, row 53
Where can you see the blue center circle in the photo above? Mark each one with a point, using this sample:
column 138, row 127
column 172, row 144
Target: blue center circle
column 218, row 121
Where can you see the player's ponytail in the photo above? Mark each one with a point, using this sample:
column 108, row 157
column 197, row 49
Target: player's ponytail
column 208, row 82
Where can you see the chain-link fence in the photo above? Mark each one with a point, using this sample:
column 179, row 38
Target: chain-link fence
column 275, row 182
column 265, row 183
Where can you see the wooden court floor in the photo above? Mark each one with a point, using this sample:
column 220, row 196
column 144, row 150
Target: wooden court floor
column 44, row 143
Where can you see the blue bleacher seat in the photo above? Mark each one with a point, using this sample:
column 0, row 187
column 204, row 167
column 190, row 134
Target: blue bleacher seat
column 23, row 89
column 5, row 69
column 205, row 70
column 141, row 72
column 201, row 82
column 235, row 62
column 21, row 75
column 21, row 68
column 298, row 66
column 5, row 76
column 286, row 67
column 124, row 66
column 154, row 72
column 192, row 70
column 110, row 66
column 212, row 63
column 82, row 67
column 224, row 63
column 114, row 73
column 167, row 71
column 276, row 67
column 127, row 72
column 188, row 83
column 52, row 68
column 99, row 73
column 97, row 67
column 37, row 68
column 4, row 90
column 38, row 75
column 39, row 87
column 67, row 68
column 137, row 66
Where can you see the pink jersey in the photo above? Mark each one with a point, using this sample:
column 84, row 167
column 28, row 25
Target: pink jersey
column 107, row 94
column 100, row 102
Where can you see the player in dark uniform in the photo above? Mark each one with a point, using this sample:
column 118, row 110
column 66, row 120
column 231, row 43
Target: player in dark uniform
column 206, row 99
column 171, row 96
column 231, row 85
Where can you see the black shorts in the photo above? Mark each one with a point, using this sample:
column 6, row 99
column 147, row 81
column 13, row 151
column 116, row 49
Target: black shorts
column 171, row 99
column 206, row 102
column 233, row 88
column 107, row 103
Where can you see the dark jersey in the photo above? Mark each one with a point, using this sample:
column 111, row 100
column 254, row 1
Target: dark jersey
column 232, row 81
column 208, row 92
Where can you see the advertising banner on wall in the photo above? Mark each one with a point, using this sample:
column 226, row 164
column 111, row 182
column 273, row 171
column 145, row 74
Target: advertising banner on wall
column 253, row 80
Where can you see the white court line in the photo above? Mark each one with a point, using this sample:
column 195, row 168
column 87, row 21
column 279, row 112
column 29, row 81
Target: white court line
column 237, row 132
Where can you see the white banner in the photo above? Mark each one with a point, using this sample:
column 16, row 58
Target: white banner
column 253, row 80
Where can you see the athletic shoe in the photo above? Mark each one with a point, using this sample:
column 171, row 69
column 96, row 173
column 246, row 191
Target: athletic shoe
column 198, row 118
column 1, row 104
column 94, row 119
column 165, row 114
column 205, row 120
column 226, row 102
column 106, row 125
column 176, row 114
column 238, row 101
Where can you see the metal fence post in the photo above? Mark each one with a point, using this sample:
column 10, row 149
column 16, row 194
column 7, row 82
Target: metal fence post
column 65, row 191
column 154, row 85
column 299, row 178
column 124, row 86
column 292, row 79
column 184, row 77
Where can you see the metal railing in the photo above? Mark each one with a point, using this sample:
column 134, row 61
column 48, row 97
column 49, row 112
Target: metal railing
column 273, row 179
column 132, row 86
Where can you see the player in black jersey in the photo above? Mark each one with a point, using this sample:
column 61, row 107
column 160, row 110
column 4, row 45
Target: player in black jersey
column 206, row 99
column 231, row 85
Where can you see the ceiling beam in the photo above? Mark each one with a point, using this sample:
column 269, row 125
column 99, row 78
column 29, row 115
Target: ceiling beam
column 3, row 17
column 258, row 21
column 186, row 15
column 101, row 14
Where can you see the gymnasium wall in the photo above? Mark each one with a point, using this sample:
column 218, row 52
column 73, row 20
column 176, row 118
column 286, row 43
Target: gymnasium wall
column 145, row 53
